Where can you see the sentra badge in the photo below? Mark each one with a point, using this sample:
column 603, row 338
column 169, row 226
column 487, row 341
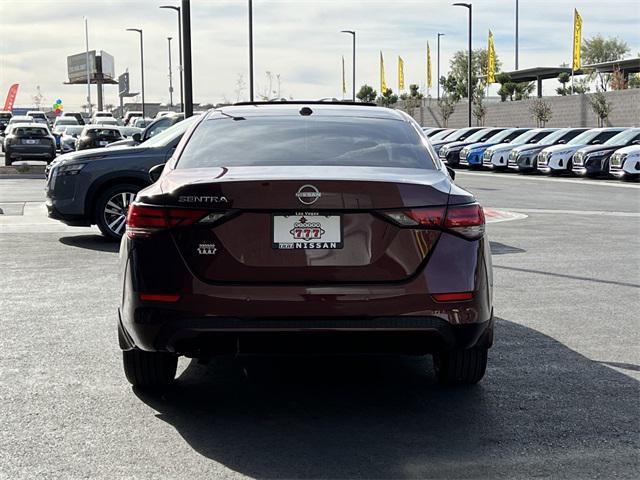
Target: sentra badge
column 202, row 199
column 308, row 194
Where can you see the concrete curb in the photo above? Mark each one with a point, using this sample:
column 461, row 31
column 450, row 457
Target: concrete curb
column 21, row 169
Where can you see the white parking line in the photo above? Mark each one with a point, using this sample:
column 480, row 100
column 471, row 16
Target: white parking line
column 603, row 213
column 579, row 181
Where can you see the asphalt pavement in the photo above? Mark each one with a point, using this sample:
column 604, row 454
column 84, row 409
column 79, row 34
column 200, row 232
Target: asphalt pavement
column 560, row 398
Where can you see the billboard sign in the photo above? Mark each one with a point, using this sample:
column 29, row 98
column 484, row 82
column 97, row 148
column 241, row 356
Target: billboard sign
column 108, row 66
column 77, row 66
column 123, row 84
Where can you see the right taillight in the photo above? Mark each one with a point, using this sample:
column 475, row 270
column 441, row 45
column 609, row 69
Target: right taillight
column 465, row 220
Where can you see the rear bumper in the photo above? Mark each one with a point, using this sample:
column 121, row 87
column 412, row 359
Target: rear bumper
column 163, row 331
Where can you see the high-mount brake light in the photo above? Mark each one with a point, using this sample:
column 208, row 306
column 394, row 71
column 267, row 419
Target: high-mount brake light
column 466, row 220
column 143, row 220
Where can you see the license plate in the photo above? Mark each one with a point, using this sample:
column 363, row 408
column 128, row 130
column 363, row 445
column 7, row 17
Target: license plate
column 102, row 143
column 30, row 142
column 307, row 231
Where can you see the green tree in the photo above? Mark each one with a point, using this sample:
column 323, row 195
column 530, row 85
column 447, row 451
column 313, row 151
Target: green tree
column 447, row 105
column 634, row 80
column 598, row 49
column 367, row 94
column 564, row 78
column 413, row 99
column 601, row 107
column 388, row 98
column 513, row 90
column 455, row 83
column 541, row 111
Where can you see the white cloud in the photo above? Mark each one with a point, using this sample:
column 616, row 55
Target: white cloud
column 298, row 39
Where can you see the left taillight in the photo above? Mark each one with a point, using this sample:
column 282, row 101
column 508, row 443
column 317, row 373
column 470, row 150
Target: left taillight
column 466, row 220
column 143, row 220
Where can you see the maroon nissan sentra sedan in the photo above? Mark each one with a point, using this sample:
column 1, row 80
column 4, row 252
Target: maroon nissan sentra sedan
column 304, row 227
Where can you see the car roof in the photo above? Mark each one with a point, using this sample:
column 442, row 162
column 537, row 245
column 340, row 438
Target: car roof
column 324, row 109
column 30, row 125
column 102, row 127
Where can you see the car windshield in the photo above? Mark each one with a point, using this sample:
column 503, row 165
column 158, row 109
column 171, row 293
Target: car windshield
column 287, row 140
column 59, row 128
column 555, row 136
column 73, row 130
column 460, row 134
column 440, row 135
column 482, row 135
column 30, row 132
column 5, row 116
column 584, row 137
column 168, row 135
column 624, row 137
column 529, row 137
column 504, row 135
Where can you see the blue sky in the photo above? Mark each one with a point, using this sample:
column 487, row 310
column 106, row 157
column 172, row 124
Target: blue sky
column 299, row 40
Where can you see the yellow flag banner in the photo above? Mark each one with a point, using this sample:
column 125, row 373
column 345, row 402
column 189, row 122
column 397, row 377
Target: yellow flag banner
column 577, row 40
column 491, row 60
column 400, row 73
column 383, row 84
column 344, row 80
column 429, row 78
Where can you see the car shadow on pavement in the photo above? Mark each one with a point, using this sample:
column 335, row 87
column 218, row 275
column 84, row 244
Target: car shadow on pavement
column 91, row 242
column 498, row 248
column 542, row 410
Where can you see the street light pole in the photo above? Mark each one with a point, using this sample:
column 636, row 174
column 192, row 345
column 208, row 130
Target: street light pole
column 139, row 30
column 469, row 60
column 250, row 50
column 353, row 33
column 86, row 38
column 517, row 12
column 170, row 75
column 186, row 46
column 439, row 35
column 177, row 9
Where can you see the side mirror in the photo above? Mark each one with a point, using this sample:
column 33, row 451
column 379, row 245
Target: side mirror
column 136, row 137
column 596, row 142
column 636, row 142
column 452, row 173
column 561, row 142
column 155, row 172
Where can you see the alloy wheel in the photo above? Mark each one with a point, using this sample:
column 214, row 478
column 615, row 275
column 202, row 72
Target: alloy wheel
column 115, row 212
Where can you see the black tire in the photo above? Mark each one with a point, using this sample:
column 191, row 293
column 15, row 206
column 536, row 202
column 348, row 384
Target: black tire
column 461, row 367
column 149, row 369
column 111, row 217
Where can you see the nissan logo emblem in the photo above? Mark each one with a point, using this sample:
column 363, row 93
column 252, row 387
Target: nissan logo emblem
column 308, row 194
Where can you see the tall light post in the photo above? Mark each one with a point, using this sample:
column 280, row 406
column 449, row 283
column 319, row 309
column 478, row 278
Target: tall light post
column 353, row 33
column 250, row 50
column 170, row 75
column 139, row 30
column 439, row 35
column 517, row 12
column 177, row 9
column 86, row 38
column 187, row 70
column 469, row 60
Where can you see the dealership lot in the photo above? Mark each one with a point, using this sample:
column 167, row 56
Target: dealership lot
column 559, row 399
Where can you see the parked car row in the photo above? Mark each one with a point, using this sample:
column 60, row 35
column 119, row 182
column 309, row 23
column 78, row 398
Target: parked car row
column 590, row 152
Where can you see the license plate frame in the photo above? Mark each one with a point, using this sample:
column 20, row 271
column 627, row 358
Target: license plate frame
column 30, row 141
column 285, row 227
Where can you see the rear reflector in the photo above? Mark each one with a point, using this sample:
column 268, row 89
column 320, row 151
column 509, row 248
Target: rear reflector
column 452, row 297
column 153, row 297
column 466, row 220
column 142, row 220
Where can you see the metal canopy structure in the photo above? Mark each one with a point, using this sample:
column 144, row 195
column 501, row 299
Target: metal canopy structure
column 537, row 74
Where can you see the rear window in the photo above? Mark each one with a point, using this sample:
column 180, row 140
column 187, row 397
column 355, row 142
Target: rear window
column 326, row 141
column 104, row 133
column 31, row 132
column 5, row 116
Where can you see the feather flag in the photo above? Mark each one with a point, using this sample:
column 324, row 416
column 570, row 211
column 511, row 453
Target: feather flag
column 491, row 60
column 577, row 40
column 383, row 83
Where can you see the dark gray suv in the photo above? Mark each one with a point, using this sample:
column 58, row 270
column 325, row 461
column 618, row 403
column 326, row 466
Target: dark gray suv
column 96, row 187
